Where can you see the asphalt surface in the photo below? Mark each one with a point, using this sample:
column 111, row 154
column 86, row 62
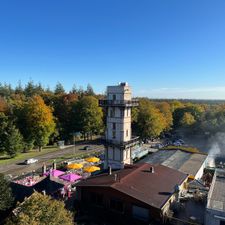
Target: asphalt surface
column 19, row 167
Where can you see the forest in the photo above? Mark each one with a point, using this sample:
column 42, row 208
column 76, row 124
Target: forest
column 32, row 116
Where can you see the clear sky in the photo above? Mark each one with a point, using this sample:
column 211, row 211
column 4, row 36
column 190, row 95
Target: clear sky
column 162, row 48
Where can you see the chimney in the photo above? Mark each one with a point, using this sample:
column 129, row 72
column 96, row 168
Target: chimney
column 115, row 177
column 54, row 165
column 152, row 169
column 110, row 170
column 43, row 169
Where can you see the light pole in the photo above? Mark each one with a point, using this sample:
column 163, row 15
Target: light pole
column 74, row 140
column 74, row 147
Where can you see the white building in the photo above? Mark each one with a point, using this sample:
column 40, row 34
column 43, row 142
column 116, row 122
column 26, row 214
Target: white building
column 118, row 130
column 215, row 209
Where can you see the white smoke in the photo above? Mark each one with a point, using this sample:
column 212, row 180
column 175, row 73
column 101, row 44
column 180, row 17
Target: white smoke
column 217, row 148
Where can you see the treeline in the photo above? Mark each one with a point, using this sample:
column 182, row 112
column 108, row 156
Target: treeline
column 154, row 118
column 33, row 116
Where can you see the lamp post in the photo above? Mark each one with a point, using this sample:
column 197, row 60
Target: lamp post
column 74, row 141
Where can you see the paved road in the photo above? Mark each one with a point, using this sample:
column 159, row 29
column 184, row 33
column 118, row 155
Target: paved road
column 19, row 168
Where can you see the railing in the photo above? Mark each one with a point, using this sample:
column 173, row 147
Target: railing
column 133, row 102
column 132, row 142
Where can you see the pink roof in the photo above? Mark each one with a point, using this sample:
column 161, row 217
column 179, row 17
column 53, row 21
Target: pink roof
column 71, row 177
column 57, row 173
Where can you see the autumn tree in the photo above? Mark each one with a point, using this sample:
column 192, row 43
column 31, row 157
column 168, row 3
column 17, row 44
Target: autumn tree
column 150, row 120
column 41, row 209
column 195, row 110
column 39, row 121
column 166, row 110
column 88, row 116
column 3, row 105
column 187, row 119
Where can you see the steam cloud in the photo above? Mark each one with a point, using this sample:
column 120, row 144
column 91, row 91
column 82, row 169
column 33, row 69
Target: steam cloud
column 217, row 149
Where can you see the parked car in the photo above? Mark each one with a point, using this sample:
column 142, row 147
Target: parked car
column 87, row 147
column 177, row 143
column 30, row 161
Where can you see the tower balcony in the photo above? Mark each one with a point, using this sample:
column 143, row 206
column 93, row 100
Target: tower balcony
column 134, row 141
column 119, row 103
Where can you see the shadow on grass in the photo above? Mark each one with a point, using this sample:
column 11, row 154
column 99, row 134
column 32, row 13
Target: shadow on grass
column 5, row 157
column 21, row 163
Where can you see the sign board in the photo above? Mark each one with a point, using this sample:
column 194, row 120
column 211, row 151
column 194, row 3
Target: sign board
column 61, row 144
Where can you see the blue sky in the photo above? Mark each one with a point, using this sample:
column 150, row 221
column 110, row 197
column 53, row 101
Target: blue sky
column 172, row 49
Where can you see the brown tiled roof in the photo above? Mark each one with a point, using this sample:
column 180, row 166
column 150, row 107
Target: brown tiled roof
column 138, row 182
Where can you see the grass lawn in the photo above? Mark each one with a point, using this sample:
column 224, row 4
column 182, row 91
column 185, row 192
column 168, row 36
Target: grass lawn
column 183, row 148
column 4, row 159
column 76, row 156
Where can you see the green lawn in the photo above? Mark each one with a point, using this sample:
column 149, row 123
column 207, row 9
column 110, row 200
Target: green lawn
column 76, row 156
column 22, row 156
column 183, row 148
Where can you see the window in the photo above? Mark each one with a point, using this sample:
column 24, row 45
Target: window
column 112, row 112
column 114, row 126
column 114, row 97
column 116, row 205
column 97, row 199
column 121, row 113
column 140, row 213
column 114, row 134
column 127, row 133
column 127, row 112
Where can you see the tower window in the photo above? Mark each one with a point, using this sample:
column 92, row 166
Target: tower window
column 114, row 134
column 127, row 112
column 127, row 133
column 121, row 113
column 112, row 112
column 114, row 126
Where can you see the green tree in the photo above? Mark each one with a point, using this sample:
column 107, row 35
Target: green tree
column 90, row 90
column 59, row 89
column 11, row 140
column 6, row 197
column 40, row 209
column 30, row 89
column 39, row 120
column 87, row 116
column 64, row 117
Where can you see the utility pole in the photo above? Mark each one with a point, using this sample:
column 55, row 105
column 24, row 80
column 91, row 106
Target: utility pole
column 74, row 147
column 75, row 134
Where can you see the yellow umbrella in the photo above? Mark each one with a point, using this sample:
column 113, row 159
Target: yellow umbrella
column 91, row 169
column 92, row 159
column 75, row 166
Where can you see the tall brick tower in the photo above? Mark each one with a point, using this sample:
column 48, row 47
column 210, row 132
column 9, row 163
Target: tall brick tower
column 118, row 136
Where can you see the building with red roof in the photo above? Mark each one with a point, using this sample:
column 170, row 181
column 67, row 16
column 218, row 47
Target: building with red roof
column 137, row 194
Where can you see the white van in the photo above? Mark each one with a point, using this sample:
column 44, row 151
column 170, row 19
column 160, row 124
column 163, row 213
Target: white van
column 30, row 161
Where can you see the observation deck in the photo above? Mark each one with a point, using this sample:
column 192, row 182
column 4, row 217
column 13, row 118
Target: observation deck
column 119, row 103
